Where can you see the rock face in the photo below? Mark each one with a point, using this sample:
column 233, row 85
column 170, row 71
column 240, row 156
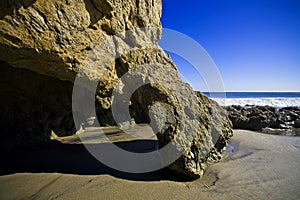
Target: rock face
column 44, row 44
column 54, row 37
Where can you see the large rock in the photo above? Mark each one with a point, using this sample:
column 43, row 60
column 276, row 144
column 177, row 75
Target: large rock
column 44, row 44
column 51, row 40
column 54, row 37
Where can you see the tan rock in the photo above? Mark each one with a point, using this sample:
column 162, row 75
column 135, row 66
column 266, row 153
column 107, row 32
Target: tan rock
column 46, row 43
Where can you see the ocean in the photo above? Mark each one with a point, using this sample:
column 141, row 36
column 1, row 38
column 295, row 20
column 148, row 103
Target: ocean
column 275, row 99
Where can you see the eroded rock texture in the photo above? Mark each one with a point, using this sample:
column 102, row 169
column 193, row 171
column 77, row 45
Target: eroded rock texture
column 52, row 39
column 44, row 44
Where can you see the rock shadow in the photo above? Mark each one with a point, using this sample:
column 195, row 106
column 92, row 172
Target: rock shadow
column 95, row 12
column 57, row 157
column 8, row 7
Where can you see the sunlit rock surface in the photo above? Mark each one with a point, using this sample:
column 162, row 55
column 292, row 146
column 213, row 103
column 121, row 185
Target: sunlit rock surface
column 44, row 44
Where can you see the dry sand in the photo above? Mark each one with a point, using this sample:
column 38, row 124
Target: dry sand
column 256, row 166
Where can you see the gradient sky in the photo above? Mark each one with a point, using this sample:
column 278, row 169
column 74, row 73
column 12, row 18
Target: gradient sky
column 254, row 43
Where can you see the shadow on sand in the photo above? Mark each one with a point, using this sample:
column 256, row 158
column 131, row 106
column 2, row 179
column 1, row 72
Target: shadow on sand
column 57, row 157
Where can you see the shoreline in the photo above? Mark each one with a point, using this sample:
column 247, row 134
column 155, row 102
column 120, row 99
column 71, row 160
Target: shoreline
column 256, row 166
column 264, row 101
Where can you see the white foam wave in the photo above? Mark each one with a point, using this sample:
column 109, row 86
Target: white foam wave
column 275, row 102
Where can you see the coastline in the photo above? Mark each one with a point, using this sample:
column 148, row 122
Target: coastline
column 274, row 102
column 80, row 79
column 256, row 166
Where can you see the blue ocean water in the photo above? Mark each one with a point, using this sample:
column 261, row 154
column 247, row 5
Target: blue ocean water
column 253, row 94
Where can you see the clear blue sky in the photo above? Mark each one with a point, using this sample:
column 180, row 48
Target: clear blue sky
column 254, row 43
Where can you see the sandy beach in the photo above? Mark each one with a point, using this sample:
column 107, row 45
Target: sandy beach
column 256, row 166
column 201, row 97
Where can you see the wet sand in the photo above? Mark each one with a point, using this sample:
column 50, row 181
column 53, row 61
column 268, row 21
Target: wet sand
column 256, row 166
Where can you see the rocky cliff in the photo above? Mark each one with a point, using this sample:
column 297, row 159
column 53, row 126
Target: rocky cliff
column 43, row 46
